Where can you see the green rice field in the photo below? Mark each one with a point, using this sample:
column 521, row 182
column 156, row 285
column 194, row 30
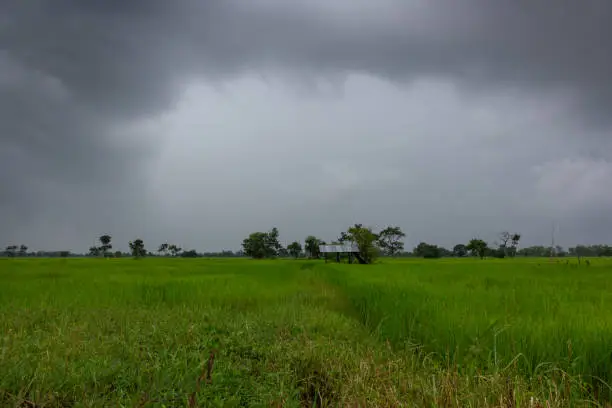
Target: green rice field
column 164, row 332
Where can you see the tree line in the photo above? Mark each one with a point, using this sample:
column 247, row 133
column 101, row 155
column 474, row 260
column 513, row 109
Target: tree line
column 387, row 242
column 260, row 245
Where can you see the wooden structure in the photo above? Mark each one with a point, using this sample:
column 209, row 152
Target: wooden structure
column 351, row 249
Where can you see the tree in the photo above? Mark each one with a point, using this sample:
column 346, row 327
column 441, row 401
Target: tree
column 366, row 240
column 478, row 247
column 11, row 250
column 272, row 242
column 498, row 253
column 389, row 240
column 94, row 251
column 504, row 237
column 344, row 237
column 559, row 251
column 23, row 250
column 261, row 245
column 137, row 248
column 189, row 254
column 118, row 254
column 174, row 250
column 255, row 245
column 536, row 251
column 163, row 249
column 514, row 239
column 445, row 252
column 295, row 249
column 105, row 240
column 426, row 250
column 460, row 250
column 311, row 245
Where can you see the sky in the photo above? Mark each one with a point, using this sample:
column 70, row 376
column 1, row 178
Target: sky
column 197, row 122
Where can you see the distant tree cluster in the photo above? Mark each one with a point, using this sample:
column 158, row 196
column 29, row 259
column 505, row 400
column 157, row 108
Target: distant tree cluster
column 137, row 248
column 371, row 245
column 104, row 247
column 166, row 249
column 16, row 250
column 558, row 251
column 389, row 242
column 260, row 245
column 476, row 247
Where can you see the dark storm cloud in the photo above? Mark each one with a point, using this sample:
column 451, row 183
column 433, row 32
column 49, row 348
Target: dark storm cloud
column 129, row 56
column 73, row 74
column 562, row 46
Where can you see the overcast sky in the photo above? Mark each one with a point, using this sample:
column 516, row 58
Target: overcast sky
column 198, row 122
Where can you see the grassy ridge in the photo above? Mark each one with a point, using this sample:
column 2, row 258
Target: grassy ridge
column 85, row 332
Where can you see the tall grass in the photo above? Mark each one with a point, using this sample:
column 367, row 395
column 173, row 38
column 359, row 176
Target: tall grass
column 301, row 333
column 482, row 316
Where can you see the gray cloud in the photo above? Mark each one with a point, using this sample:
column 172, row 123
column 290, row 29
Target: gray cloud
column 86, row 89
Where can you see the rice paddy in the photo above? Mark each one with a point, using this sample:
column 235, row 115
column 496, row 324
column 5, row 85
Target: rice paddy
column 179, row 332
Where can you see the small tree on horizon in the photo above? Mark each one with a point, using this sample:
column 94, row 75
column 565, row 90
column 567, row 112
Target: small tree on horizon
column 137, row 248
column 105, row 240
column 311, row 245
column 11, row 251
column 428, row 251
column 366, row 240
column 478, row 247
column 174, row 250
column 390, row 240
column 514, row 243
column 260, row 245
column 163, row 249
column 295, row 249
column 460, row 250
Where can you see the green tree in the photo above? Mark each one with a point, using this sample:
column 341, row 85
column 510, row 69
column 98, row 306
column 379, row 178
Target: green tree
column 428, row 251
column 105, row 240
column 460, row 250
column 137, row 248
column 11, row 251
column 94, row 251
column 163, row 249
column 514, row 243
column 174, row 250
column 260, row 245
column 344, row 237
column 478, row 247
column 366, row 241
column 295, row 249
column 255, row 245
column 445, row 252
column 311, row 245
column 272, row 243
column 390, row 240
column 23, row 250
column 499, row 252
column 189, row 254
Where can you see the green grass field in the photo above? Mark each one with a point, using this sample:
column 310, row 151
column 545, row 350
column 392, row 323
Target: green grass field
column 121, row 332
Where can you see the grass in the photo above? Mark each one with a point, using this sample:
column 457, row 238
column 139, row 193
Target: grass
column 180, row 332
